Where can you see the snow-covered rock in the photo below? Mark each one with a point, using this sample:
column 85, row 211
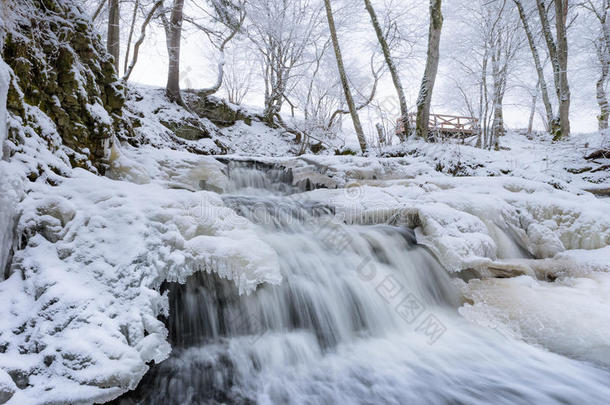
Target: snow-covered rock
column 79, row 312
column 7, row 387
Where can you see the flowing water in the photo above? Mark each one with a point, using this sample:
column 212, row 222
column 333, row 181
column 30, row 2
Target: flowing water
column 363, row 316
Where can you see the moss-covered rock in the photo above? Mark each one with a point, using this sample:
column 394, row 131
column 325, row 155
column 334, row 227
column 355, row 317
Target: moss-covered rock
column 187, row 130
column 60, row 68
column 220, row 112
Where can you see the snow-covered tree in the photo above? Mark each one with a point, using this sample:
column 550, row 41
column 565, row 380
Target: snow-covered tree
column 557, row 47
column 600, row 39
column 282, row 31
column 349, row 99
column 222, row 21
column 427, row 85
column 393, row 69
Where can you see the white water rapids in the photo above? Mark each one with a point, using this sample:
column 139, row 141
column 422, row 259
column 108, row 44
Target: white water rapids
column 363, row 316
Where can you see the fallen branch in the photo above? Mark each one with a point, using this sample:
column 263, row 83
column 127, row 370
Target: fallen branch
column 599, row 154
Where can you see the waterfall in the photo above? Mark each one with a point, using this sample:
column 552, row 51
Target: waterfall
column 363, row 315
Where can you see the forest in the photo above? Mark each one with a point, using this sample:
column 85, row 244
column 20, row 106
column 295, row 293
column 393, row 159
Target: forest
column 304, row 202
column 287, row 56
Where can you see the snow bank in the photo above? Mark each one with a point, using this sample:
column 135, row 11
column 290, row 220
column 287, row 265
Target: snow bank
column 538, row 158
column 79, row 313
column 258, row 139
column 168, row 125
column 469, row 222
column 168, row 168
column 11, row 183
column 570, row 316
column 156, row 120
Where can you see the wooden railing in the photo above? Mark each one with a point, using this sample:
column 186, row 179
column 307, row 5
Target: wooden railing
column 451, row 125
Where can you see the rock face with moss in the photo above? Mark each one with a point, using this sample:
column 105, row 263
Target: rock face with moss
column 64, row 92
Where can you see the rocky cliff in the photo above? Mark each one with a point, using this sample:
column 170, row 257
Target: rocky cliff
column 64, row 96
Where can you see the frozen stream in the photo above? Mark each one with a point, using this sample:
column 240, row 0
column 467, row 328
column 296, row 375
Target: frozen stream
column 363, row 316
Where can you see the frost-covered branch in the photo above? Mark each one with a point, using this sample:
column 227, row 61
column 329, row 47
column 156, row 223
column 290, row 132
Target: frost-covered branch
column 136, row 47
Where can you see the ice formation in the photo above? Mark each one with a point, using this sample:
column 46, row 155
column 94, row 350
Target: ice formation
column 79, row 317
column 84, row 291
column 551, row 315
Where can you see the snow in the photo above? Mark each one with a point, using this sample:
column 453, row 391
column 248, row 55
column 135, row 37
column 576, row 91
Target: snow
column 84, row 291
column 258, row 139
column 79, row 310
column 560, row 164
column 99, row 113
column 466, row 220
column 4, row 84
column 151, row 109
column 551, row 315
column 7, row 387
column 11, row 190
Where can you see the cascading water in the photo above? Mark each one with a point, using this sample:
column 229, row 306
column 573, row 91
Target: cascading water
column 363, row 315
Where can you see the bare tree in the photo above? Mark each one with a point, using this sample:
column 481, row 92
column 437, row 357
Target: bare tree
column 131, row 29
column 113, row 42
column 505, row 42
column 602, row 50
column 561, row 15
column 558, row 53
column 173, row 34
column 376, row 73
column 486, row 56
column 530, row 121
column 600, row 9
column 282, row 31
column 385, row 48
column 223, row 23
column 157, row 5
column 538, row 65
column 425, row 92
column 344, row 82
column 238, row 74
column 98, row 9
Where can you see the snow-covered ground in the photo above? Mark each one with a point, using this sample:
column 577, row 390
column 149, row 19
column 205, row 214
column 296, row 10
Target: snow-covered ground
column 78, row 318
column 152, row 110
column 561, row 164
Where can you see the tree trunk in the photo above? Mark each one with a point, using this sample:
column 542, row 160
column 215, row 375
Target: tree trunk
column 113, row 42
column 427, row 85
column 380, row 134
column 558, row 53
column 550, row 42
column 348, row 94
column 498, row 96
column 530, row 122
column 483, row 101
column 539, row 69
column 129, row 38
column 602, row 49
column 561, row 11
column 602, row 99
column 98, row 10
column 174, row 34
column 404, row 111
